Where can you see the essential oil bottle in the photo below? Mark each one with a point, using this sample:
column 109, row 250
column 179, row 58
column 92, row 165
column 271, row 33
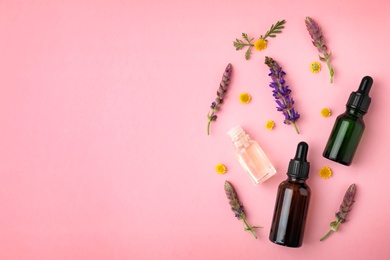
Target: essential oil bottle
column 292, row 202
column 349, row 127
column 251, row 157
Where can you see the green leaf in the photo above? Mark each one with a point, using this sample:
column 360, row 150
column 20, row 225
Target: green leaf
column 334, row 226
column 275, row 29
column 248, row 53
column 238, row 44
column 245, row 36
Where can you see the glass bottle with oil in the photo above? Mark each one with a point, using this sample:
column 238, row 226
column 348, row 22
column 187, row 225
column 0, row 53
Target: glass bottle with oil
column 251, row 157
column 349, row 126
column 292, row 202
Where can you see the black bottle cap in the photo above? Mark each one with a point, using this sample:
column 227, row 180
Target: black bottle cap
column 360, row 100
column 299, row 166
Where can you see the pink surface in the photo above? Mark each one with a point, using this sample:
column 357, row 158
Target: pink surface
column 104, row 152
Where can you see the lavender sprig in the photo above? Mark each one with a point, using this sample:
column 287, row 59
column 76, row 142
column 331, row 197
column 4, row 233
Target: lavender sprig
column 345, row 207
column 282, row 93
column 237, row 207
column 223, row 86
column 318, row 41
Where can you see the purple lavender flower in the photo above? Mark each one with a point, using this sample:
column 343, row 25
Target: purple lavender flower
column 237, row 207
column 318, row 41
column 282, row 93
column 345, row 207
column 221, row 92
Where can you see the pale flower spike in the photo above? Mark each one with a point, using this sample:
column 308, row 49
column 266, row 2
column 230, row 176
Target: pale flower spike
column 237, row 207
column 319, row 42
column 345, row 207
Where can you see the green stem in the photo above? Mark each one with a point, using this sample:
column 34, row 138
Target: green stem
column 330, row 71
column 327, row 234
column 248, row 228
column 296, row 128
column 242, row 45
column 327, row 60
column 210, row 119
column 289, row 113
column 334, row 226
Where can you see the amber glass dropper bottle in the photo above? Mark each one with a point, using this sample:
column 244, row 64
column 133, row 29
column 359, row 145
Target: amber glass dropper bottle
column 292, row 202
column 349, row 127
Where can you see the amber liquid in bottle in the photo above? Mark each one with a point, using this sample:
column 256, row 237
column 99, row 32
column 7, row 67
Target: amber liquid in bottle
column 292, row 203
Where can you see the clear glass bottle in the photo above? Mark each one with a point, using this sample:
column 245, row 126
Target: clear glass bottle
column 349, row 127
column 292, row 202
column 251, row 157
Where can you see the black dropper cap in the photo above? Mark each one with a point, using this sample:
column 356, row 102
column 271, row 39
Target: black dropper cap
column 360, row 100
column 299, row 166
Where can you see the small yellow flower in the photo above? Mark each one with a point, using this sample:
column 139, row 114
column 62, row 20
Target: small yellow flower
column 245, row 98
column 325, row 172
column 325, row 112
column 270, row 125
column 260, row 44
column 220, row 168
column 315, row 67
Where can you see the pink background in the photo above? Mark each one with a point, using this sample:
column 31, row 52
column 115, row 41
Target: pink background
column 103, row 147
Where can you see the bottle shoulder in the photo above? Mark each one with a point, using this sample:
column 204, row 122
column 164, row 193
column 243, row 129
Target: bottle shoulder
column 351, row 118
column 300, row 186
column 246, row 144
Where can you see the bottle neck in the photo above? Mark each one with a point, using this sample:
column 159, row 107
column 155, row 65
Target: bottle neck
column 354, row 112
column 241, row 140
column 295, row 179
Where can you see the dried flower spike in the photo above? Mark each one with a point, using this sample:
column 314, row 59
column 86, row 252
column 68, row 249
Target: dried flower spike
column 261, row 42
column 237, row 207
column 345, row 207
column 318, row 41
column 282, row 93
column 223, row 86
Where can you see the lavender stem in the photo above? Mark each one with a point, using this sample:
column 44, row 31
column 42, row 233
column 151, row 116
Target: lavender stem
column 248, row 228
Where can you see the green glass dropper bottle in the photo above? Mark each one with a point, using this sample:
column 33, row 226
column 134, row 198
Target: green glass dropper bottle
column 292, row 202
column 349, row 127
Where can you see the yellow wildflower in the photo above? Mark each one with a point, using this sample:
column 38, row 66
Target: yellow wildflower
column 315, row 67
column 270, row 125
column 325, row 112
column 220, row 168
column 245, row 98
column 325, row 172
column 260, row 44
